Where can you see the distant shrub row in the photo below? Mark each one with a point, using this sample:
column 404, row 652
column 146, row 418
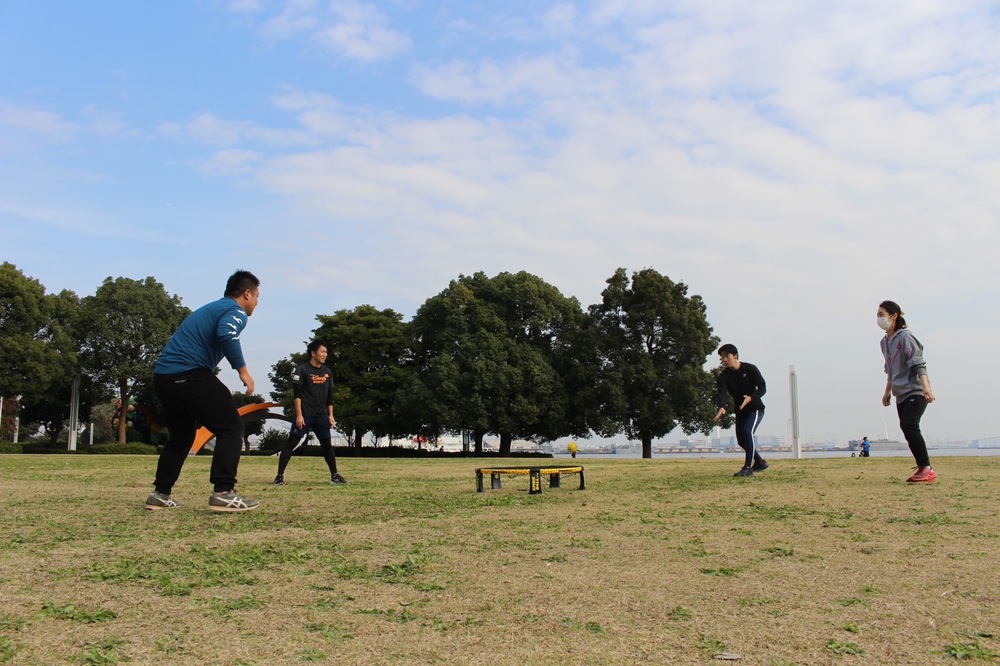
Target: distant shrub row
column 137, row 448
column 130, row 448
column 393, row 452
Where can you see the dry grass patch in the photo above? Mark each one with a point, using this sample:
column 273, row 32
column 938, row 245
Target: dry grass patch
column 811, row 562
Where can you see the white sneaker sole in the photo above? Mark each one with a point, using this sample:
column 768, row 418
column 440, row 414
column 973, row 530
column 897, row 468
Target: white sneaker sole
column 232, row 509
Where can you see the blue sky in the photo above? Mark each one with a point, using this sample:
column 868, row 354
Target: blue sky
column 792, row 163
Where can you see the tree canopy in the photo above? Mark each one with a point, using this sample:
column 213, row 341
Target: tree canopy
column 125, row 326
column 489, row 352
column 368, row 349
column 37, row 352
column 367, row 352
column 508, row 355
column 654, row 340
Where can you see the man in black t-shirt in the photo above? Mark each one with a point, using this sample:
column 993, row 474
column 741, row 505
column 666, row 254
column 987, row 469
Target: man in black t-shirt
column 742, row 382
column 313, row 386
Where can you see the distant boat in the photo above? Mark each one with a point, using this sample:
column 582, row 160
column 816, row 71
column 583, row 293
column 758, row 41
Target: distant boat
column 599, row 450
column 887, row 445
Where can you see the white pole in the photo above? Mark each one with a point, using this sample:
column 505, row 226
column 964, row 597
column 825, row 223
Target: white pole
column 1, row 417
column 793, row 390
column 74, row 413
column 17, row 419
column 90, row 429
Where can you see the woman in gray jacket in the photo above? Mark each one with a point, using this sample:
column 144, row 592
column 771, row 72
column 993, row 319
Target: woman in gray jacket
column 907, row 379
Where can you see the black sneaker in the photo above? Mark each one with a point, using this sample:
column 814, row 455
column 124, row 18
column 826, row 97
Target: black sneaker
column 279, row 480
column 337, row 478
column 746, row 471
column 760, row 465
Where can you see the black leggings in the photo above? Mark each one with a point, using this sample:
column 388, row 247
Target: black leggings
column 320, row 425
column 910, row 410
column 191, row 399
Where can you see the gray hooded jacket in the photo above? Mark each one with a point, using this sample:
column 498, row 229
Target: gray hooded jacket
column 904, row 363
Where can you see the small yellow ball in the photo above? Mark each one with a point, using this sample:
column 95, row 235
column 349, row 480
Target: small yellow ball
column 571, row 447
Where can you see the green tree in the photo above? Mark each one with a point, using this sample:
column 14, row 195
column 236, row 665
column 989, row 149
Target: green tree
column 125, row 326
column 445, row 392
column 370, row 350
column 497, row 355
column 367, row 349
column 102, row 414
column 281, row 380
column 37, row 352
column 50, row 412
column 654, row 340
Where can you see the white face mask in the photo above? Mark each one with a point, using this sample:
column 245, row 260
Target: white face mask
column 883, row 323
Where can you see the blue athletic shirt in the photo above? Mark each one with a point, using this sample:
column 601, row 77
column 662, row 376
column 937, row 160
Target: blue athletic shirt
column 204, row 337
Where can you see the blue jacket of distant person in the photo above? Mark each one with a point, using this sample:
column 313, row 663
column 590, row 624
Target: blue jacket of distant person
column 204, row 338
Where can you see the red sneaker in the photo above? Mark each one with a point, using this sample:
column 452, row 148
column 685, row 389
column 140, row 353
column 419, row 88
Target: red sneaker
column 923, row 475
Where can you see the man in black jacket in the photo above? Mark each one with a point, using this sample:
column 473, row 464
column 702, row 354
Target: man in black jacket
column 313, row 385
column 743, row 382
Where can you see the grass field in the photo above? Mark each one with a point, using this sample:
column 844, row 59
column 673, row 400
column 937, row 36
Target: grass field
column 828, row 561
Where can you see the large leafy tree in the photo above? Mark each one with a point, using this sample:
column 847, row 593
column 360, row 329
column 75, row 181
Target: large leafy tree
column 454, row 362
column 281, row 379
column 497, row 353
column 50, row 412
column 654, row 340
column 37, row 351
column 367, row 348
column 51, row 409
column 125, row 326
column 367, row 351
column 538, row 397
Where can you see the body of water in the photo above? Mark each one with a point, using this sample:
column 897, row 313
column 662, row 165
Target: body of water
column 738, row 455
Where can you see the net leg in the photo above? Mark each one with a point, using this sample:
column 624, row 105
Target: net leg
column 534, row 481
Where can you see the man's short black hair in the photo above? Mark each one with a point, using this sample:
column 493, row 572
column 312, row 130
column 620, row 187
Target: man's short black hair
column 729, row 349
column 315, row 345
column 239, row 282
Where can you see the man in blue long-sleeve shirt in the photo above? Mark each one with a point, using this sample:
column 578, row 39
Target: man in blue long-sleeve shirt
column 742, row 382
column 192, row 395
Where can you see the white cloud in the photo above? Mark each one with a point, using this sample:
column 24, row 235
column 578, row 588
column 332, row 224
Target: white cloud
column 360, row 32
column 246, row 6
column 212, row 130
column 232, row 162
column 357, row 31
column 38, row 122
column 560, row 19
